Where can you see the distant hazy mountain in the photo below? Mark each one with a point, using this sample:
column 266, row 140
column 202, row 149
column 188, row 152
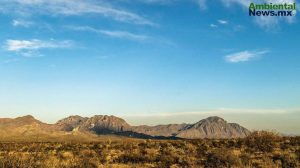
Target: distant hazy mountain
column 212, row 127
column 24, row 126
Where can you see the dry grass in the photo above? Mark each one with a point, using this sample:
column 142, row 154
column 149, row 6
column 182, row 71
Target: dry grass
column 261, row 149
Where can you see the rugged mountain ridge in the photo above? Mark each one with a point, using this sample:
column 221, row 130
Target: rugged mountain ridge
column 99, row 124
column 211, row 127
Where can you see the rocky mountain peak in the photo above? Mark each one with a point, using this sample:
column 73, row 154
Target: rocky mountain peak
column 26, row 117
column 98, row 123
column 105, row 124
column 215, row 119
column 71, row 122
column 213, row 127
column 71, row 119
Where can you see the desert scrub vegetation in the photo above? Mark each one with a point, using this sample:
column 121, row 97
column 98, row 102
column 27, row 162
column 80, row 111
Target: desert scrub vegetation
column 260, row 149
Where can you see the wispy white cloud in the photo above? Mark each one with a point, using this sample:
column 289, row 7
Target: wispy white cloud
column 72, row 7
column 244, row 56
column 271, row 23
column 265, row 22
column 222, row 21
column 112, row 33
column 22, row 23
column 202, row 4
column 213, row 25
column 219, row 23
column 214, row 112
column 268, row 23
column 162, row 2
column 124, row 34
column 244, row 3
column 30, row 53
column 256, row 111
column 35, row 44
column 29, row 48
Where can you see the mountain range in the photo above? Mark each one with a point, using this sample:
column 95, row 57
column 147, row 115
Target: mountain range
column 87, row 128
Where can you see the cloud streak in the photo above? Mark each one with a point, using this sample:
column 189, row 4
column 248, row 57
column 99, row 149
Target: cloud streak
column 22, row 23
column 213, row 25
column 202, row 4
column 265, row 22
column 72, row 7
column 216, row 111
column 222, row 21
column 30, row 48
column 244, row 56
column 34, row 44
column 218, row 23
column 113, row 34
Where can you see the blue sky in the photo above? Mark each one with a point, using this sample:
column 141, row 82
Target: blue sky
column 147, row 57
